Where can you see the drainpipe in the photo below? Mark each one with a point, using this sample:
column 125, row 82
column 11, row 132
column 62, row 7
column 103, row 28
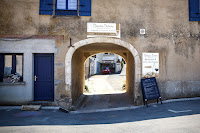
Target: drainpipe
column 78, row 6
column 89, row 70
column 54, row 8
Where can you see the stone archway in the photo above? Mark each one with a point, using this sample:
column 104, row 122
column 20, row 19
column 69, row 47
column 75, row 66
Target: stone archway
column 137, row 98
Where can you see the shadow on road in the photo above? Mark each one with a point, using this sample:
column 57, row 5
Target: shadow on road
column 102, row 101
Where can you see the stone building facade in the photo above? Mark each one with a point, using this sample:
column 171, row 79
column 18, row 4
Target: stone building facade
column 24, row 30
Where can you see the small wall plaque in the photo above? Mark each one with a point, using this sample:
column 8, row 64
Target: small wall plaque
column 142, row 31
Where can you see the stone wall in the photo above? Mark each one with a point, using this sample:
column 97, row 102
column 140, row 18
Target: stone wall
column 168, row 32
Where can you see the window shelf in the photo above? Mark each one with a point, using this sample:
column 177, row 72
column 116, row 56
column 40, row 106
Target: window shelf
column 8, row 84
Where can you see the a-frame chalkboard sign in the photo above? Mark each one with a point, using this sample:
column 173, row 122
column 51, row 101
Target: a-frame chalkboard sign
column 150, row 90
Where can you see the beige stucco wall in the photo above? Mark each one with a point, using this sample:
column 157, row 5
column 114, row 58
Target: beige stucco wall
column 168, row 32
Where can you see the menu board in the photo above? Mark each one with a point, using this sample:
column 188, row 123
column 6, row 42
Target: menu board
column 150, row 89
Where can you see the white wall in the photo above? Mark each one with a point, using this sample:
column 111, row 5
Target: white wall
column 118, row 67
column 11, row 94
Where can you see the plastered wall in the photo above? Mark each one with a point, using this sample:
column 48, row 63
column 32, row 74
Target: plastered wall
column 12, row 94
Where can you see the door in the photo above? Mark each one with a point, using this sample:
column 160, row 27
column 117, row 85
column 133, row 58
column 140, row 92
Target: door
column 43, row 77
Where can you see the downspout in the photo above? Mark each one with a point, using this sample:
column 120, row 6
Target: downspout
column 54, row 8
column 78, row 7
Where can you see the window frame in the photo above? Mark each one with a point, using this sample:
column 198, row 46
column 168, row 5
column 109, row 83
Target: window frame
column 66, row 6
column 14, row 64
column 66, row 11
column 49, row 7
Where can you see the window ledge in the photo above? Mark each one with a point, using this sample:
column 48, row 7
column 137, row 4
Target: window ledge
column 7, row 84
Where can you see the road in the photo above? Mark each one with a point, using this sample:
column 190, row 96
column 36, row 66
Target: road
column 105, row 91
column 105, row 84
column 175, row 117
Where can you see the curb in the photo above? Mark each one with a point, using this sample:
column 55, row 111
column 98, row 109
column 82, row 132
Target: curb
column 19, row 107
column 133, row 107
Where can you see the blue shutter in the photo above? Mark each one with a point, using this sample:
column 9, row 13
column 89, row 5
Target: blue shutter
column 46, row 7
column 1, row 66
column 194, row 11
column 85, row 8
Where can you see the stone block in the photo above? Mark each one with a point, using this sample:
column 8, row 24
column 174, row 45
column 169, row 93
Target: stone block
column 31, row 107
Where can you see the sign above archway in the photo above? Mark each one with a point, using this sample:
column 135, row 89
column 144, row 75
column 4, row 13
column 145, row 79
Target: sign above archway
column 103, row 30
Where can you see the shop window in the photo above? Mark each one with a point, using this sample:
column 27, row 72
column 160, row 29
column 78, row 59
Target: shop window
column 194, row 10
column 65, row 7
column 11, row 68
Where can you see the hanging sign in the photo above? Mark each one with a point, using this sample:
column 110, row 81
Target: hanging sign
column 103, row 30
column 150, row 65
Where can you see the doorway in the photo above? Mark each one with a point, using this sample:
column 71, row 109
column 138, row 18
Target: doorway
column 105, row 88
column 76, row 56
column 43, row 77
column 105, row 73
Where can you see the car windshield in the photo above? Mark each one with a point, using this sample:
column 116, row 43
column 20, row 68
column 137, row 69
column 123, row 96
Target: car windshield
column 107, row 68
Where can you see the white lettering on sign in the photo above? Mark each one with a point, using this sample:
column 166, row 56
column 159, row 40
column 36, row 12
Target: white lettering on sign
column 61, row 4
column 150, row 65
column 103, row 29
column 72, row 4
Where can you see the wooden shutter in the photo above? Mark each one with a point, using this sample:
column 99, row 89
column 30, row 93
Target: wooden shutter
column 194, row 10
column 2, row 62
column 85, row 8
column 46, row 7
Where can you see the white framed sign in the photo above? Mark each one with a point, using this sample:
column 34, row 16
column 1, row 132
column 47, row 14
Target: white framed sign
column 103, row 30
column 150, row 65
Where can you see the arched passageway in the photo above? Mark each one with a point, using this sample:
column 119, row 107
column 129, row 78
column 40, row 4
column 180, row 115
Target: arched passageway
column 76, row 56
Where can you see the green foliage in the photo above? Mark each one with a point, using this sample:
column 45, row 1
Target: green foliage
column 124, row 86
column 86, row 88
column 6, row 76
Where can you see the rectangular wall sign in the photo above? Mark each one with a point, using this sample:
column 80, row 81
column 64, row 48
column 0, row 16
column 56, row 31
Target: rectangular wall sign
column 150, row 65
column 103, row 30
